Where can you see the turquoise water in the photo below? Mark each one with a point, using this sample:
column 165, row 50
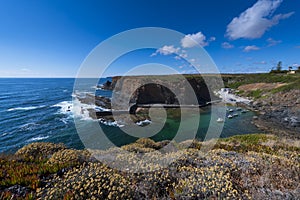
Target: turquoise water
column 33, row 110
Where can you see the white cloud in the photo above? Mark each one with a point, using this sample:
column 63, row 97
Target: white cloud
column 25, row 70
column 192, row 40
column 227, row 45
column 180, row 56
column 260, row 63
column 166, row 50
column 183, row 55
column 211, row 39
column 251, row 48
column 273, row 42
column 256, row 20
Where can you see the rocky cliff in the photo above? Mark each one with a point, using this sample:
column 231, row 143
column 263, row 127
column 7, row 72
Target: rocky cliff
column 171, row 89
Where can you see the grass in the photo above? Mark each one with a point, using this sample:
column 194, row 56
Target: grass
column 249, row 138
column 291, row 86
column 238, row 80
column 26, row 172
column 255, row 142
column 291, row 82
column 255, row 94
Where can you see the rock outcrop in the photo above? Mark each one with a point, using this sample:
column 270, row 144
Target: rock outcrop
column 171, row 89
column 282, row 109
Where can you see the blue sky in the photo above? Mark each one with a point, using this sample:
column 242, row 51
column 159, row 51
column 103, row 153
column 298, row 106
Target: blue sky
column 52, row 38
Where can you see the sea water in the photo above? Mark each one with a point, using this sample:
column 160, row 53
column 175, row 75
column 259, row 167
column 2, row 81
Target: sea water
column 36, row 110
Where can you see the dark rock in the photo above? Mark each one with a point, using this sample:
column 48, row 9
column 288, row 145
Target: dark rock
column 157, row 89
column 108, row 85
column 282, row 109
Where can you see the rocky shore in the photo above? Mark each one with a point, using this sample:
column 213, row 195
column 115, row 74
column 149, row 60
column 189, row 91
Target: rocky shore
column 274, row 97
column 281, row 110
column 278, row 113
column 241, row 167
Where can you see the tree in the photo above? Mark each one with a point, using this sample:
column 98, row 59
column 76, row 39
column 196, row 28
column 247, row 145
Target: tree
column 290, row 68
column 279, row 66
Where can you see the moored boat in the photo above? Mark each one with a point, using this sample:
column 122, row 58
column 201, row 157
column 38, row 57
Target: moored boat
column 220, row 120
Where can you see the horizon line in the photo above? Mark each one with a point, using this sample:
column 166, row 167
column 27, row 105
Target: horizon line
column 225, row 73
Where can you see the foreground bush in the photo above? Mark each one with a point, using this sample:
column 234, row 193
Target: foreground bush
column 253, row 166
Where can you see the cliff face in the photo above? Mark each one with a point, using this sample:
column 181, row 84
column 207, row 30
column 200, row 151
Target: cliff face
column 154, row 93
column 171, row 89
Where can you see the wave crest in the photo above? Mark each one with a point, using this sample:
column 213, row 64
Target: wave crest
column 25, row 108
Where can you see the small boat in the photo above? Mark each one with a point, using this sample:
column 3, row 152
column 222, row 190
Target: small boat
column 220, row 120
column 230, row 110
column 238, row 109
column 244, row 111
column 235, row 115
column 230, row 116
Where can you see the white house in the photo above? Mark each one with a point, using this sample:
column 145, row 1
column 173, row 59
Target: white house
column 291, row 72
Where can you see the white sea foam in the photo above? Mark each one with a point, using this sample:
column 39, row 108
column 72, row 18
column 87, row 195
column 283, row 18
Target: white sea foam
column 64, row 120
column 99, row 108
column 110, row 123
column 74, row 109
column 97, row 87
column 25, row 108
column 80, row 110
column 143, row 123
column 4, row 134
column 65, row 107
column 29, row 126
column 37, row 138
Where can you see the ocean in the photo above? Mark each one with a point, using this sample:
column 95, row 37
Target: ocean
column 40, row 109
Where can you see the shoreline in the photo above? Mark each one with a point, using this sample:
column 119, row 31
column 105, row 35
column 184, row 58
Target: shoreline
column 276, row 119
column 265, row 120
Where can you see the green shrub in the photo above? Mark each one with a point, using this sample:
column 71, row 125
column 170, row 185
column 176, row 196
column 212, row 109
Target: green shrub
column 255, row 94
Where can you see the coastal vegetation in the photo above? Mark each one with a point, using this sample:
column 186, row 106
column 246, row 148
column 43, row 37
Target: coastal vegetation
column 255, row 166
column 234, row 81
column 262, row 85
